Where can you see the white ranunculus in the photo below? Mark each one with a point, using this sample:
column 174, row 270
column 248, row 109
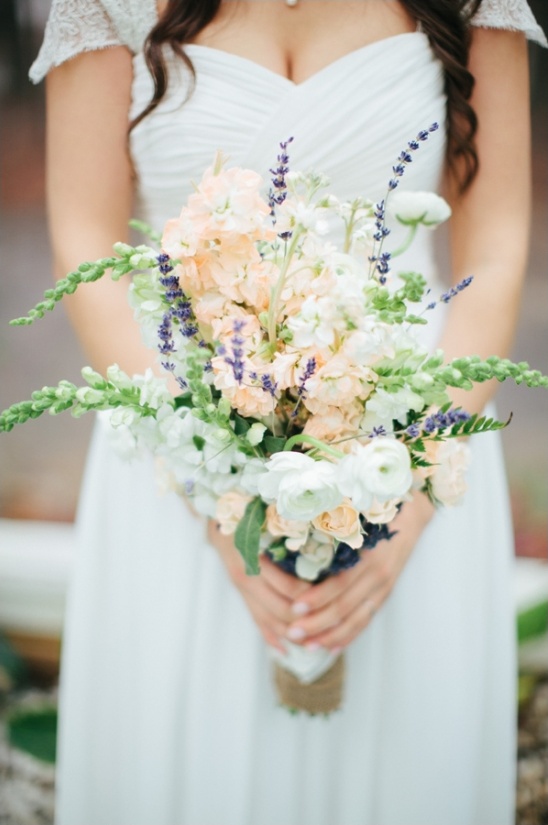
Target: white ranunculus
column 378, row 470
column 301, row 487
column 418, row 207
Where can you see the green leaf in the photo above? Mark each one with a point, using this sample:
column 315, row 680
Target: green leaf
column 273, row 443
column 184, row 400
column 248, row 534
column 198, row 442
column 241, row 424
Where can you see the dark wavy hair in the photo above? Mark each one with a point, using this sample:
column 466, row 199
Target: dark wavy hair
column 445, row 22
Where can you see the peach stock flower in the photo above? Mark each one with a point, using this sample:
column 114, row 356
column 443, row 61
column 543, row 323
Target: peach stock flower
column 335, row 423
column 248, row 399
column 229, row 201
column 338, row 383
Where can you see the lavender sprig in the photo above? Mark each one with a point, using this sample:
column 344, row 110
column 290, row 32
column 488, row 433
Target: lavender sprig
column 309, row 371
column 278, row 191
column 235, row 357
column 379, row 261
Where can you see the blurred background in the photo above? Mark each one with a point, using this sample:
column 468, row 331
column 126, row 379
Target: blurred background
column 41, row 464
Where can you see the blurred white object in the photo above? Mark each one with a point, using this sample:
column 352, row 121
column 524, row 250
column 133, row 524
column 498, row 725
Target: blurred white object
column 35, row 565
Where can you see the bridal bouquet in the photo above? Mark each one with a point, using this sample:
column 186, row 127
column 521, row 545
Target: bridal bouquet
column 308, row 412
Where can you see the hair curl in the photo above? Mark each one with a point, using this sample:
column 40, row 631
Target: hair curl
column 445, row 22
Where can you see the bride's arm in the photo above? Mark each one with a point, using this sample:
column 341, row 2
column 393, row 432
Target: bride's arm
column 89, row 196
column 489, row 239
column 491, row 222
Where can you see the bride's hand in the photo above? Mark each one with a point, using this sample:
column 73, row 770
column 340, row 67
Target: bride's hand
column 333, row 613
column 268, row 596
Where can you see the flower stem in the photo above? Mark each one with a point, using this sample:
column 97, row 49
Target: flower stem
column 408, row 241
column 276, row 294
column 302, row 438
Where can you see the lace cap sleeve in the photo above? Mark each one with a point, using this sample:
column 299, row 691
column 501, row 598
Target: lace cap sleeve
column 509, row 14
column 76, row 26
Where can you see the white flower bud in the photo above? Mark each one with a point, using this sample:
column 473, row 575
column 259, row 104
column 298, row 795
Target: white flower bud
column 418, row 207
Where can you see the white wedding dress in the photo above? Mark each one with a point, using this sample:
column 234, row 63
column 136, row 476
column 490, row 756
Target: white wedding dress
column 168, row 715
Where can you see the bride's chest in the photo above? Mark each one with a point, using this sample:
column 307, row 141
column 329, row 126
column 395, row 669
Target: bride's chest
column 350, row 120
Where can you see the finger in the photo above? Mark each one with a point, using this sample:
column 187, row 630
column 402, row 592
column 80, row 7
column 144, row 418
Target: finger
column 272, row 630
column 335, row 612
column 344, row 633
column 290, row 587
column 321, row 595
column 260, row 590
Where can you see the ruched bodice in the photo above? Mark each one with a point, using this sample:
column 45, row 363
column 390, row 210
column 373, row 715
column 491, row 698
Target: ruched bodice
column 350, row 121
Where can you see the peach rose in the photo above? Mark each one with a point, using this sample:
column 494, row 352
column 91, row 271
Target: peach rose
column 296, row 532
column 343, row 523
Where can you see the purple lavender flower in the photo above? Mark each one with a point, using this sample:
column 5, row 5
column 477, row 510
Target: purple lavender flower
column 377, row 431
column 454, row 290
column 413, row 431
column 308, row 373
column 443, row 420
column 278, row 192
column 269, row 385
column 235, row 357
column 165, row 334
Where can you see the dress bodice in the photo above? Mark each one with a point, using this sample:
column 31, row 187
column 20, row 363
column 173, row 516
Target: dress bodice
column 350, row 121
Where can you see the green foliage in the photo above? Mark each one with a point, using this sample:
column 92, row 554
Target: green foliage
column 274, row 444
column 80, row 400
column 130, row 258
column 35, row 732
column 391, row 307
column 248, row 534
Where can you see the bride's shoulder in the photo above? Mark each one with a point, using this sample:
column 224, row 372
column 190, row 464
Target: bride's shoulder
column 515, row 15
column 76, row 26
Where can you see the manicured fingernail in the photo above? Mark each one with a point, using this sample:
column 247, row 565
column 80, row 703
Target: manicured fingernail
column 300, row 608
column 313, row 646
column 336, row 650
column 296, row 634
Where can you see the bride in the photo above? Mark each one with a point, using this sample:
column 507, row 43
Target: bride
column 168, row 716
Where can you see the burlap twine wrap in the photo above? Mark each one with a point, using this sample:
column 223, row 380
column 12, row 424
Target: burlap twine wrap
column 322, row 696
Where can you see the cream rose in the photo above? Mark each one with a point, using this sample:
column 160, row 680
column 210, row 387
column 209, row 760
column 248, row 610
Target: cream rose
column 343, row 523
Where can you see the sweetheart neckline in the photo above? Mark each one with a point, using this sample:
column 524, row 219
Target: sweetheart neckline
column 237, row 58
